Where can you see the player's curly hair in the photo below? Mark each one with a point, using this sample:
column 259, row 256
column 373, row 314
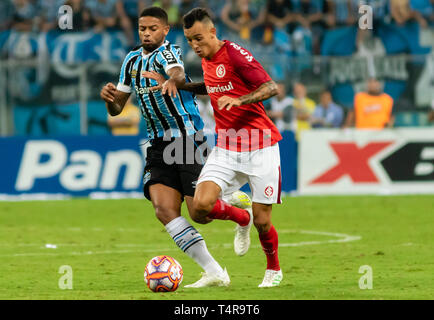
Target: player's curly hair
column 156, row 12
column 196, row 14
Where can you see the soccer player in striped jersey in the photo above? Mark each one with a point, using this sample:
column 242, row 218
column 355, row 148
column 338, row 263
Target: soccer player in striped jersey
column 172, row 119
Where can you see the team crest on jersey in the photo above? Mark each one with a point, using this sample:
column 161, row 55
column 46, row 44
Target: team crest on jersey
column 220, row 71
column 268, row 191
column 133, row 73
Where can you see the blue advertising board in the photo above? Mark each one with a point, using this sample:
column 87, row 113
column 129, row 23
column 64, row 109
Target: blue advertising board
column 89, row 165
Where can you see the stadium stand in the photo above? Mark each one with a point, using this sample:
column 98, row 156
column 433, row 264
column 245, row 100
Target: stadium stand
column 50, row 78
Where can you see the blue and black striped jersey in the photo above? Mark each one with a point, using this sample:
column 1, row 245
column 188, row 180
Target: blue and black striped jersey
column 164, row 115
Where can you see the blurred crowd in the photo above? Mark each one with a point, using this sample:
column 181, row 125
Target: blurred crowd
column 296, row 111
column 282, row 22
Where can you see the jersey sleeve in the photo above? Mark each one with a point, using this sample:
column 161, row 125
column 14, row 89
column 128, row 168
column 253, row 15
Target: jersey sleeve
column 124, row 83
column 169, row 58
column 247, row 67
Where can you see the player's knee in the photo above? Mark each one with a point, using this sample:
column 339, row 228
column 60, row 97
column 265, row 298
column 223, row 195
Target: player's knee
column 262, row 224
column 201, row 208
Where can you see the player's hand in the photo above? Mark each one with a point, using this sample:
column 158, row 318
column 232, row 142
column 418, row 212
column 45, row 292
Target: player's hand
column 227, row 103
column 157, row 77
column 108, row 92
column 166, row 86
column 169, row 87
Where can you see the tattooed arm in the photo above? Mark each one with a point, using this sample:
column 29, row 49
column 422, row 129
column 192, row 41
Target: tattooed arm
column 265, row 91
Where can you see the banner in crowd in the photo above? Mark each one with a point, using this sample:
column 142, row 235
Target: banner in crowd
column 401, row 57
column 335, row 161
column 105, row 166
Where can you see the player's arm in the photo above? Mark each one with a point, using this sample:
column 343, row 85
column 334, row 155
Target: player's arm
column 114, row 99
column 175, row 81
column 195, row 87
column 265, row 91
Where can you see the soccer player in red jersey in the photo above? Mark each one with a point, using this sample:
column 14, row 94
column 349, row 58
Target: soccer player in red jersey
column 247, row 150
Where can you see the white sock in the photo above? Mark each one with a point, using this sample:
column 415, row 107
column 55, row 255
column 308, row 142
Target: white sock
column 189, row 240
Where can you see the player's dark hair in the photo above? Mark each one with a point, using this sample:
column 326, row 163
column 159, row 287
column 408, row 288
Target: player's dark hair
column 155, row 12
column 196, row 14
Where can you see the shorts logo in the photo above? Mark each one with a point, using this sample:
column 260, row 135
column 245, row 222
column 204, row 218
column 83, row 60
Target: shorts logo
column 268, row 191
column 146, row 177
column 220, row 71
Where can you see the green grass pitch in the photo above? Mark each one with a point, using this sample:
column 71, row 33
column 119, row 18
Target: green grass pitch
column 323, row 243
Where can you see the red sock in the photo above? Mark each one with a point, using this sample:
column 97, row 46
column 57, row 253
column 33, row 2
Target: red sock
column 224, row 211
column 269, row 242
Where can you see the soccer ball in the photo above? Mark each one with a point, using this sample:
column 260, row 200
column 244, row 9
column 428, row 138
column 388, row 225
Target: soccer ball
column 163, row 274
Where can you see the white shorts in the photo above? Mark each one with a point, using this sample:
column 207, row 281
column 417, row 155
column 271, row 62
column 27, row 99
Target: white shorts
column 230, row 170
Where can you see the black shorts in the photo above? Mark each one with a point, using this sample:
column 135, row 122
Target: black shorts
column 176, row 163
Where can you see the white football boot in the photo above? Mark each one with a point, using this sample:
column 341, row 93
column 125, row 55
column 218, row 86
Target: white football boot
column 242, row 234
column 272, row 278
column 211, row 280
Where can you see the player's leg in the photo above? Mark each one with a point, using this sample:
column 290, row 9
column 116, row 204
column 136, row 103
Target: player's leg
column 214, row 275
column 207, row 204
column 167, row 204
column 269, row 241
column 266, row 188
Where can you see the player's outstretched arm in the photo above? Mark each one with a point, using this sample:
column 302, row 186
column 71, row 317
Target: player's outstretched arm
column 265, row 91
column 114, row 99
column 195, row 87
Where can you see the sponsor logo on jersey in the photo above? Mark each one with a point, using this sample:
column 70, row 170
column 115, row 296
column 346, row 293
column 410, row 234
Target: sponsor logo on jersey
column 220, row 71
column 142, row 90
column 220, row 88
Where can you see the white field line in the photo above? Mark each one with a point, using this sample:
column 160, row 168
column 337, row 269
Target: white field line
column 341, row 238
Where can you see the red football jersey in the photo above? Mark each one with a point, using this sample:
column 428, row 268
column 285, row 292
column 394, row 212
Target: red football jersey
column 234, row 72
